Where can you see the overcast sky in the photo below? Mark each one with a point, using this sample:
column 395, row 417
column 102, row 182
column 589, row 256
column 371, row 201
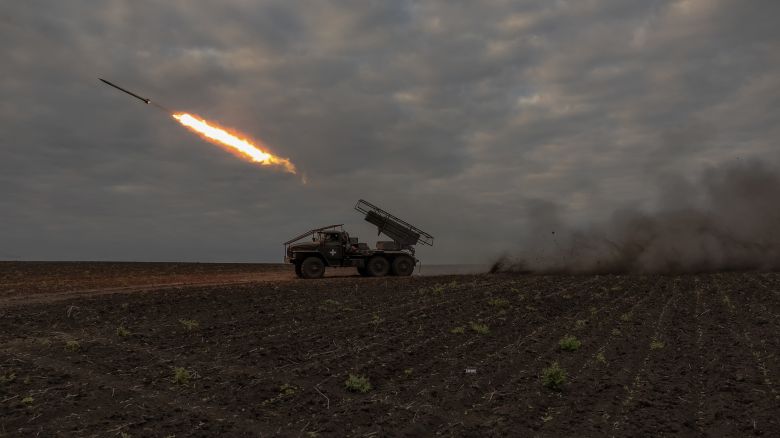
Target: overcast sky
column 458, row 116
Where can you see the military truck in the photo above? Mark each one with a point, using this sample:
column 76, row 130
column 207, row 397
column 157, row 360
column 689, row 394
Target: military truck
column 332, row 246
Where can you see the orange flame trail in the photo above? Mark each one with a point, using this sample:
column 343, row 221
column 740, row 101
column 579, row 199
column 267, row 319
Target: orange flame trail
column 241, row 147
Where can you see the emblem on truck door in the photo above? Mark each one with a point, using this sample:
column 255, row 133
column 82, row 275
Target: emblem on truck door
column 332, row 253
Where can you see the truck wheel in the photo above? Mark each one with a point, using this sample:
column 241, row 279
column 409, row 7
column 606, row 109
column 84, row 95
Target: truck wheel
column 312, row 267
column 377, row 266
column 403, row 266
column 298, row 270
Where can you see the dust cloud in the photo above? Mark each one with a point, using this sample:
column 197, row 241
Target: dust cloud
column 726, row 219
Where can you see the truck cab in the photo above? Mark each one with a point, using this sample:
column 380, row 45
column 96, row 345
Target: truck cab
column 332, row 245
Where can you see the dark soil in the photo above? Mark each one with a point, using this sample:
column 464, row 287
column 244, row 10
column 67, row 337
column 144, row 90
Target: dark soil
column 269, row 355
column 27, row 278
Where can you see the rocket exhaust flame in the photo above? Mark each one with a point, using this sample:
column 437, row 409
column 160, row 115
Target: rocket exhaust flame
column 239, row 146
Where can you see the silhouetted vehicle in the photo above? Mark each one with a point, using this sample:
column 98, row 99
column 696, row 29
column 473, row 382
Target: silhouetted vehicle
column 332, row 246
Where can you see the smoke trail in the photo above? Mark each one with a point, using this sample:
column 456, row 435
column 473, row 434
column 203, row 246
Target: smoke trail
column 729, row 219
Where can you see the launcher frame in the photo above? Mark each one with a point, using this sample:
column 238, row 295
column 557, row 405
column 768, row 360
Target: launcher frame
column 403, row 233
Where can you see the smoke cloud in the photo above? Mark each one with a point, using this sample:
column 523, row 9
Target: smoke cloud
column 726, row 219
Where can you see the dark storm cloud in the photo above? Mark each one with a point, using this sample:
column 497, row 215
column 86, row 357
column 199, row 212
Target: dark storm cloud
column 469, row 118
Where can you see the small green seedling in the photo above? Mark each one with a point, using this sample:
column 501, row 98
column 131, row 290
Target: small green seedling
column 458, row 330
column 499, row 302
column 122, row 332
column 655, row 344
column 482, row 329
column 569, row 343
column 72, row 346
column 626, row 317
column 181, row 376
column 189, row 324
column 287, row 389
column 601, row 358
column 580, row 324
column 358, row 384
column 408, row 372
column 553, row 377
column 7, row 378
column 28, row 400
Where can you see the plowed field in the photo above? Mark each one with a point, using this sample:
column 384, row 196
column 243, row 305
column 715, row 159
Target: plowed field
column 248, row 350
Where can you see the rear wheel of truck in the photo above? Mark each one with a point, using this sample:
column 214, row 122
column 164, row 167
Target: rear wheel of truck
column 403, row 266
column 377, row 266
column 312, row 267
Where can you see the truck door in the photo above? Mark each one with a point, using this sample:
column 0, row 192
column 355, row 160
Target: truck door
column 334, row 249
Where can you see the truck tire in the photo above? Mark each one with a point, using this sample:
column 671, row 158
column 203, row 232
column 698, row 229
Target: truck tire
column 403, row 266
column 312, row 267
column 377, row 266
column 298, row 272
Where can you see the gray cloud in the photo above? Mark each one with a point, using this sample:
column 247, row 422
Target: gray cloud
column 467, row 118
